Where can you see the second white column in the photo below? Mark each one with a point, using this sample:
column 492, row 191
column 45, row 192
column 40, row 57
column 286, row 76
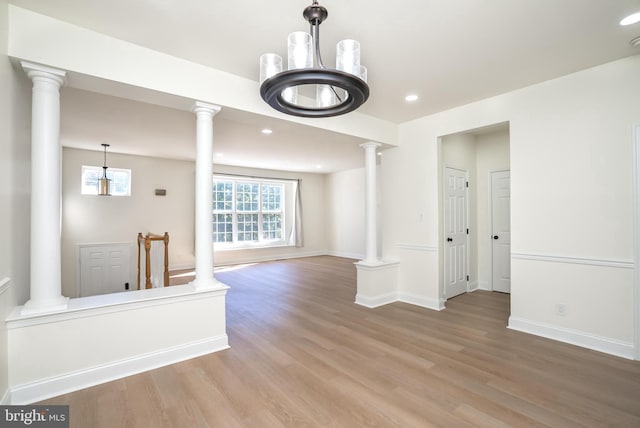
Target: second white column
column 371, row 239
column 204, row 195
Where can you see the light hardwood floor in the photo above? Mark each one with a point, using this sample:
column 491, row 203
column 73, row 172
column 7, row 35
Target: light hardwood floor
column 304, row 355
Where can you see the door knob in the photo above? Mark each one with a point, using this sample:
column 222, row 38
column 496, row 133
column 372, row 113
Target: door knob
column 495, row 236
column 449, row 239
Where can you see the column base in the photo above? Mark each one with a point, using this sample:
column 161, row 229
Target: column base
column 377, row 283
column 372, row 263
column 203, row 284
column 45, row 306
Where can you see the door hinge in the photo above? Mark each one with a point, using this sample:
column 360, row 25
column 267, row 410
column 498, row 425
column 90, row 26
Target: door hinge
column 467, row 184
column 467, row 231
column 467, row 277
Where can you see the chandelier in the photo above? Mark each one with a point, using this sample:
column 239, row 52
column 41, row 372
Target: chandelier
column 308, row 88
column 104, row 182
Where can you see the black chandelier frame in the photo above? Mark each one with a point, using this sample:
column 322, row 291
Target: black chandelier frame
column 357, row 90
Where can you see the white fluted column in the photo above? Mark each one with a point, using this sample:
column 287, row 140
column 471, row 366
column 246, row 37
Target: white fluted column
column 371, row 239
column 204, row 195
column 46, row 259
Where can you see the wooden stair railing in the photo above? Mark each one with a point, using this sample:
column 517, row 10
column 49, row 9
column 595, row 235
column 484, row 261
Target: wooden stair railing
column 144, row 241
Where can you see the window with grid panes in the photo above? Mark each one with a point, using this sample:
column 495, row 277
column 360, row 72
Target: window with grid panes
column 247, row 212
column 222, row 211
column 272, row 211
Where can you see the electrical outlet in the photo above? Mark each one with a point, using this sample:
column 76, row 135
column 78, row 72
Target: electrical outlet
column 561, row 309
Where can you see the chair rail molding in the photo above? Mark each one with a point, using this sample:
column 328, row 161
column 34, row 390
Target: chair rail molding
column 624, row 264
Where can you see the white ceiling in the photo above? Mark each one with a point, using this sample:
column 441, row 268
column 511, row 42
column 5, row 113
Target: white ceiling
column 90, row 119
column 448, row 52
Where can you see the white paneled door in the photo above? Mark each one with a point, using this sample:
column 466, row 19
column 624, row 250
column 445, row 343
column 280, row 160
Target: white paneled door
column 455, row 233
column 104, row 269
column 501, row 231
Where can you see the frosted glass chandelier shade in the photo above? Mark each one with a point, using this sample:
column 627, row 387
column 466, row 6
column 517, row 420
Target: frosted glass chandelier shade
column 362, row 72
column 325, row 96
column 290, row 94
column 299, row 50
column 348, row 56
column 270, row 65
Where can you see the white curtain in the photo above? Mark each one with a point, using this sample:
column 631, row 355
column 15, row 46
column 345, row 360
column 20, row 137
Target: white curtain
column 157, row 264
column 296, row 233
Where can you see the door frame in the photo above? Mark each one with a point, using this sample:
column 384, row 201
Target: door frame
column 636, row 243
column 490, row 192
column 443, row 228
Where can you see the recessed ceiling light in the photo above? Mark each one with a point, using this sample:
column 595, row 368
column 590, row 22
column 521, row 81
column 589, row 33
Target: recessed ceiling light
column 631, row 19
column 266, row 131
column 219, row 155
column 318, row 166
column 411, row 98
column 635, row 41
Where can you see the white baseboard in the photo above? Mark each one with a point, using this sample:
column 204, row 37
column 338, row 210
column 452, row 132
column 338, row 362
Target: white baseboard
column 473, row 286
column 6, row 398
column 256, row 259
column 52, row 387
column 182, row 267
column 5, row 284
column 421, row 301
column 356, row 256
column 385, row 299
column 376, row 301
column 255, row 256
column 483, row 285
column 573, row 337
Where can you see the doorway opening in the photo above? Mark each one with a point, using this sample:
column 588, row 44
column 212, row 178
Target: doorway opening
column 475, row 226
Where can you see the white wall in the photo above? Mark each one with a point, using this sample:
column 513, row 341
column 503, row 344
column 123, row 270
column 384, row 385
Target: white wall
column 5, row 110
column 15, row 178
column 15, row 115
column 345, row 213
column 6, row 300
column 571, row 169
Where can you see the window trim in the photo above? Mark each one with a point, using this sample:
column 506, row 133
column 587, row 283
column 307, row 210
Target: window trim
column 110, row 172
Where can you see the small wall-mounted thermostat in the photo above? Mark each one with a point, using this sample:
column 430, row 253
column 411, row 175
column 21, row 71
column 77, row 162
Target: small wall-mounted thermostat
column 161, row 192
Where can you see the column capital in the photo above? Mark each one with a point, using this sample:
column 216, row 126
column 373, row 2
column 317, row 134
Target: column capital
column 38, row 70
column 370, row 144
column 200, row 107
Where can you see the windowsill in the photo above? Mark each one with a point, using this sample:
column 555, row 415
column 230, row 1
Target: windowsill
column 251, row 247
column 102, row 196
